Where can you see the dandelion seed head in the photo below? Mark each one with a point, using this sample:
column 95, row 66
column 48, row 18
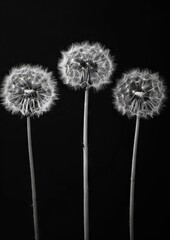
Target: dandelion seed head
column 139, row 93
column 29, row 90
column 86, row 65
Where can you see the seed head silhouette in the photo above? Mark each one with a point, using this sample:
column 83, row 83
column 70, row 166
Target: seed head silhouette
column 29, row 90
column 86, row 65
column 139, row 93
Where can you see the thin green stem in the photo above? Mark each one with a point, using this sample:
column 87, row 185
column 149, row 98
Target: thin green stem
column 33, row 187
column 85, row 167
column 132, row 185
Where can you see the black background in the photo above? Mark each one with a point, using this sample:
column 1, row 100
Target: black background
column 137, row 35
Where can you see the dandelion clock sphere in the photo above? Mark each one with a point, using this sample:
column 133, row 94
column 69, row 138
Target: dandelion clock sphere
column 86, row 65
column 29, row 90
column 139, row 93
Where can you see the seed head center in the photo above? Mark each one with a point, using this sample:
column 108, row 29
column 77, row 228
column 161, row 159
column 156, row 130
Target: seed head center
column 28, row 91
column 88, row 64
column 139, row 94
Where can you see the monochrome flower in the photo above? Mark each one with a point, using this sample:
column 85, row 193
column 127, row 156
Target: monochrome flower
column 86, row 65
column 29, row 90
column 139, row 93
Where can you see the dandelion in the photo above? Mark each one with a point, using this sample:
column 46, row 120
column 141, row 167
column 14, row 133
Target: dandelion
column 86, row 66
column 140, row 94
column 29, row 90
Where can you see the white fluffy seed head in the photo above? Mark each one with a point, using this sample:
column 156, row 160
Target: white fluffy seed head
column 139, row 93
column 86, row 65
column 29, row 90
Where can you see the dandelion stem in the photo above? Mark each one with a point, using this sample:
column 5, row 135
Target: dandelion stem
column 33, row 187
column 132, row 185
column 85, row 167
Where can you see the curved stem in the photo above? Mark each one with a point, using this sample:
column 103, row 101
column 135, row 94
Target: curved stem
column 33, row 187
column 85, row 167
column 132, row 185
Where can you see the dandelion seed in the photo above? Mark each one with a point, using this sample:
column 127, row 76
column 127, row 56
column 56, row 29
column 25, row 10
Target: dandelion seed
column 86, row 65
column 139, row 93
column 29, row 90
